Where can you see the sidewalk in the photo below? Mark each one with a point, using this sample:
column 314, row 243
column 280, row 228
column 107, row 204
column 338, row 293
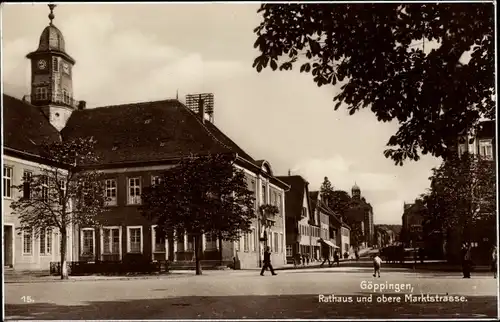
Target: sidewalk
column 44, row 277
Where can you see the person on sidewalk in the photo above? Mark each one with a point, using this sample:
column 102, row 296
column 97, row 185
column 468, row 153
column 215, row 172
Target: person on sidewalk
column 336, row 258
column 466, row 260
column 326, row 256
column 494, row 261
column 377, row 262
column 267, row 262
column 296, row 260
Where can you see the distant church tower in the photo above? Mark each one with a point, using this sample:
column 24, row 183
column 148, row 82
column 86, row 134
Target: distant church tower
column 51, row 76
column 356, row 192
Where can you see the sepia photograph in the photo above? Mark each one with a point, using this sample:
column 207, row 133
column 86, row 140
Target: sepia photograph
column 249, row 160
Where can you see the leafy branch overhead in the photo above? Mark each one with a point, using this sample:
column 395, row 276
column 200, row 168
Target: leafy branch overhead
column 375, row 54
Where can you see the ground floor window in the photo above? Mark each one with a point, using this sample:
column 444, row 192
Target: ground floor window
column 288, row 250
column 276, row 243
column 159, row 241
column 111, row 240
column 46, row 241
column 27, row 241
column 88, row 241
column 210, row 241
column 134, row 244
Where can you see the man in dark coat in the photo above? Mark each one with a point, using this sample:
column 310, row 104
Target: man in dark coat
column 267, row 262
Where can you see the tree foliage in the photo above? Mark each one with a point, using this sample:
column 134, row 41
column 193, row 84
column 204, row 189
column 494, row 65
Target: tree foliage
column 462, row 195
column 376, row 54
column 326, row 191
column 59, row 195
column 204, row 194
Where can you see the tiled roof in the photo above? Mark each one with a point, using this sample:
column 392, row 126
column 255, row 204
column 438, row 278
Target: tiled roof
column 295, row 196
column 25, row 127
column 149, row 131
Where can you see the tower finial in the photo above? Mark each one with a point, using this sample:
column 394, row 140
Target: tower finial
column 51, row 14
column 177, row 94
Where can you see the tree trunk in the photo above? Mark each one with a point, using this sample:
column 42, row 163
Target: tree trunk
column 64, row 268
column 220, row 250
column 197, row 254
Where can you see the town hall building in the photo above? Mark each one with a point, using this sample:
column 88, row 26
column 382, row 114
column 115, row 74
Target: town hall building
column 135, row 143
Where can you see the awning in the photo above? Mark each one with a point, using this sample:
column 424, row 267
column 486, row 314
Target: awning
column 329, row 243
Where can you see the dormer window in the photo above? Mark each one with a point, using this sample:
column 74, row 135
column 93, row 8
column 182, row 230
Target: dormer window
column 66, row 97
column 41, row 93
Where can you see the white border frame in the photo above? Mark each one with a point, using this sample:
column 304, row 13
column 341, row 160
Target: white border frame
column 128, row 239
column 81, row 241
column 101, row 239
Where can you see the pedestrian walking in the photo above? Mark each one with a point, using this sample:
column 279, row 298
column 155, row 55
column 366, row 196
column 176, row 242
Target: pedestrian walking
column 326, row 256
column 267, row 262
column 307, row 259
column 466, row 260
column 356, row 254
column 336, row 258
column 303, row 259
column 296, row 260
column 494, row 261
column 377, row 262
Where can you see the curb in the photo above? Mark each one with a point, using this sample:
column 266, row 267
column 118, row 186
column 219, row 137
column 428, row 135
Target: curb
column 91, row 279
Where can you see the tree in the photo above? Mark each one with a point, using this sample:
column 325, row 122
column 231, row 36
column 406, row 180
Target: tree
column 341, row 203
column 376, row 53
column 201, row 195
column 61, row 194
column 462, row 196
column 326, row 191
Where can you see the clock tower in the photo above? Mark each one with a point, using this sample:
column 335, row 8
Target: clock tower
column 51, row 76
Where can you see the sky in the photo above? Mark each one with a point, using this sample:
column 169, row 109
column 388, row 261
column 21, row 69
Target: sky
column 143, row 52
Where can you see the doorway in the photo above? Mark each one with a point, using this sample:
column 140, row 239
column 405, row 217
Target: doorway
column 8, row 247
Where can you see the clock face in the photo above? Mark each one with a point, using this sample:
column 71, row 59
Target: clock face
column 42, row 64
column 65, row 68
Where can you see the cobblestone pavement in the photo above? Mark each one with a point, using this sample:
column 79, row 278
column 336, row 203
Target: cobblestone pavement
column 245, row 294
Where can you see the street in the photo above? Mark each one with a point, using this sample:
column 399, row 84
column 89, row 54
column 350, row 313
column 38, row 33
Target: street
column 245, row 294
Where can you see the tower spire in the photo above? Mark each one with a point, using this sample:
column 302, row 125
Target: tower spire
column 51, row 14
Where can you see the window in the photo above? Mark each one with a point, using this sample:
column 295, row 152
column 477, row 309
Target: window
column 27, row 241
column 41, row 93
column 111, row 192
column 288, row 250
column 190, row 243
column 486, row 149
column 27, row 175
column 276, row 242
column 134, row 191
column 66, row 97
column 111, row 240
column 155, row 180
column 55, row 64
column 245, row 242
column 252, row 240
column 88, row 241
column 270, row 241
column 7, row 182
column 159, row 241
column 304, row 212
column 279, row 204
column 210, row 241
column 46, row 241
column 281, row 242
column 134, row 244
column 263, row 194
column 45, row 188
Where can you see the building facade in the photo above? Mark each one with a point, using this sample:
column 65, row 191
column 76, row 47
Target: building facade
column 301, row 235
column 136, row 143
column 361, row 215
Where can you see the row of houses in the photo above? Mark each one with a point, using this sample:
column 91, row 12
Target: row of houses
column 135, row 143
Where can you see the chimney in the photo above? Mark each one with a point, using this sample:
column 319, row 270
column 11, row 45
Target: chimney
column 82, row 105
column 289, row 172
column 201, row 109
